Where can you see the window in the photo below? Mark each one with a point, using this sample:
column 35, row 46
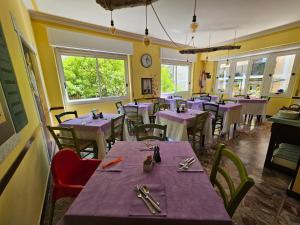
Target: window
column 240, row 77
column 175, row 77
column 282, row 73
column 255, row 82
column 223, row 77
column 90, row 76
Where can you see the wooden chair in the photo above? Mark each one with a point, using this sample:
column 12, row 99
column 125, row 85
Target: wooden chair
column 65, row 137
column 233, row 101
column 59, row 116
column 132, row 117
column 196, row 131
column 117, row 129
column 146, row 128
column 236, row 193
column 158, row 107
column 217, row 122
column 205, row 98
column 119, row 106
column 177, row 96
column 180, row 102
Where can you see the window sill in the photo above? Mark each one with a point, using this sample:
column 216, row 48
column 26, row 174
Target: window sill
column 94, row 101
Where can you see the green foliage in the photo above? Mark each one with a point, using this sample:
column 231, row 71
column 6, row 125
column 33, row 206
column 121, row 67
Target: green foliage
column 83, row 82
column 167, row 83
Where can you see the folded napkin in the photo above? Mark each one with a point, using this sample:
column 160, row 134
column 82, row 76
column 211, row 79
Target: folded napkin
column 112, row 164
column 195, row 167
column 139, row 208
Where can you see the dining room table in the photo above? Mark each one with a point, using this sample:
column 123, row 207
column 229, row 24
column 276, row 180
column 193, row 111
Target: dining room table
column 178, row 123
column 232, row 115
column 145, row 109
column 172, row 102
column 253, row 106
column 99, row 129
column 183, row 196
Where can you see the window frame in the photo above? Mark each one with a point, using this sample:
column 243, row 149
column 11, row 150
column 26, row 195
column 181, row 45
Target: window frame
column 59, row 52
column 177, row 63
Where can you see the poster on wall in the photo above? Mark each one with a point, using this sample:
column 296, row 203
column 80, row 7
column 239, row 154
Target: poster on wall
column 12, row 113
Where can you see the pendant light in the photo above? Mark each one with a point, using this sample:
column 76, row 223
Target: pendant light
column 146, row 40
column 194, row 24
column 112, row 28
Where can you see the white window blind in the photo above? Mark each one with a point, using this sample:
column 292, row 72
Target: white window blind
column 173, row 54
column 76, row 40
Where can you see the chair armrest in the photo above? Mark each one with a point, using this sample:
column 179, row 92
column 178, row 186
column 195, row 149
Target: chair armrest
column 89, row 165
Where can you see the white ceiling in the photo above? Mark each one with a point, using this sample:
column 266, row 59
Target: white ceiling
column 220, row 17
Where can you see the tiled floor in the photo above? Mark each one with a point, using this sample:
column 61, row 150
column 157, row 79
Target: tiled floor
column 266, row 203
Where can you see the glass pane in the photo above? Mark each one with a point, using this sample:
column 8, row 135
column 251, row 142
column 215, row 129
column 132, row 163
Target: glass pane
column 167, row 78
column 112, row 77
column 256, row 77
column 81, row 77
column 223, row 77
column 182, row 78
column 240, row 78
column 282, row 73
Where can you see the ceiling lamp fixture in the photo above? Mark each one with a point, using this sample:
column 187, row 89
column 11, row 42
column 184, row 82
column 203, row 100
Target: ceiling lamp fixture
column 120, row 4
column 194, row 24
column 146, row 38
column 112, row 28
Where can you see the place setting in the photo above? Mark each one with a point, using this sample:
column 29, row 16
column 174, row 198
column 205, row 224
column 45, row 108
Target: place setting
column 188, row 164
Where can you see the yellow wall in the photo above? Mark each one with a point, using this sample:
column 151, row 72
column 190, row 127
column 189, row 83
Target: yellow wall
column 276, row 39
column 22, row 200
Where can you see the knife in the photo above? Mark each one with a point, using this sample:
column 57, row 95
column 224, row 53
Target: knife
column 149, row 199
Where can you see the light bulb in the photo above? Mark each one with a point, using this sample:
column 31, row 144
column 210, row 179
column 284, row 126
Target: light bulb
column 112, row 29
column 194, row 26
column 146, row 41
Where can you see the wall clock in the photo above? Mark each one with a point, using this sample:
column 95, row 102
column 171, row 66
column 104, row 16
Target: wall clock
column 146, row 60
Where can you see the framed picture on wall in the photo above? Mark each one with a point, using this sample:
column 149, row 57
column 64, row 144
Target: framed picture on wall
column 146, row 86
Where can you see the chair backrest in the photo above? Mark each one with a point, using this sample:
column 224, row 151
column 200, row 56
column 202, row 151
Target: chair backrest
column 59, row 116
column 205, row 98
column 119, row 106
column 240, row 96
column 161, row 100
column 266, row 97
column 155, row 107
column 230, row 101
column 199, row 122
column 295, row 107
column 164, row 106
column 211, row 107
column 65, row 137
column 236, row 192
column 64, row 166
column 181, row 102
column 142, row 129
column 131, row 111
column 177, row 96
column 117, row 127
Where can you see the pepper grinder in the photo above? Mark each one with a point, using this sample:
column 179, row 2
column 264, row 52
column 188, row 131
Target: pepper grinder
column 156, row 154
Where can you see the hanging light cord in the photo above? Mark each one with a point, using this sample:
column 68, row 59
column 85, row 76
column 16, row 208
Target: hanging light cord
column 176, row 45
column 146, row 18
column 194, row 17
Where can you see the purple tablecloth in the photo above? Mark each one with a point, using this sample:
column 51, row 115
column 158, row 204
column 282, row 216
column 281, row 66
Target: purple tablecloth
column 255, row 101
column 143, row 106
column 229, row 106
column 179, row 117
column 88, row 123
column 108, row 196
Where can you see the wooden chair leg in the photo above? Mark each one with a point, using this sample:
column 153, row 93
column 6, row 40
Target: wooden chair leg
column 51, row 213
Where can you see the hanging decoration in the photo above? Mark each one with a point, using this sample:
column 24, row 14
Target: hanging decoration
column 194, row 24
column 112, row 28
column 146, row 38
column 119, row 4
column 211, row 49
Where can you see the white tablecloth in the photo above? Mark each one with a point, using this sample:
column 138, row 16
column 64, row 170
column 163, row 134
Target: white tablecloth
column 230, row 117
column 254, row 107
column 177, row 131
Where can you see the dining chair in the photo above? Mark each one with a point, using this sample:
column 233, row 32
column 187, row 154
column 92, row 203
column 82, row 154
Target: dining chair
column 205, row 98
column 70, row 174
column 119, row 106
column 152, row 117
column 236, row 192
column 196, row 131
column 177, row 96
column 117, row 130
column 180, row 102
column 240, row 96
column 59, row 116
column 217, row 120
column 142, row 132
column 233, row 101
column 161, row 100
column 132, row 117
column 65, row 137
